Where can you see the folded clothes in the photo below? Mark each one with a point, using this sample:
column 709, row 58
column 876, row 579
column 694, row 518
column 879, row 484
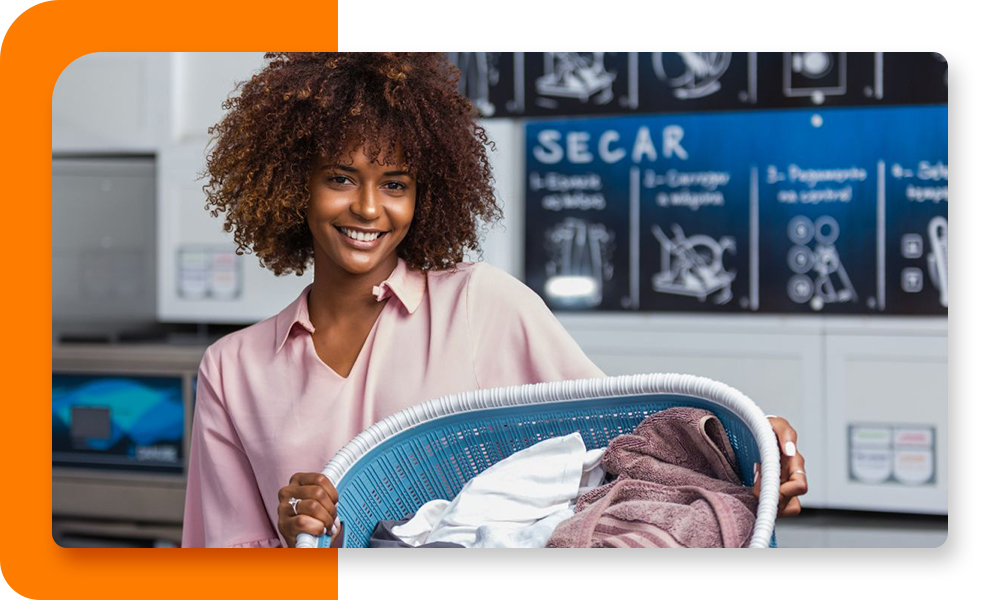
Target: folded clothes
column 677, row 486
column 515, row 503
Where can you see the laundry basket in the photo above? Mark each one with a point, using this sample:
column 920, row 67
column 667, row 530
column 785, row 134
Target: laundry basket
column 429, row 451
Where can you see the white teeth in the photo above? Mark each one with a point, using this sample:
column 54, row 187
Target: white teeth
column 357, row 235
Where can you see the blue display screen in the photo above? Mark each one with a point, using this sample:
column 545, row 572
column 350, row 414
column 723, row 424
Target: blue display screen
column 118, row 422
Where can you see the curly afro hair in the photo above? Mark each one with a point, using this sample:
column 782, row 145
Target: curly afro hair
column 304, row 105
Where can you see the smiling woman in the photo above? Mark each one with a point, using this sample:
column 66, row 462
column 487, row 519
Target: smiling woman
column 359, row 212
column 371, row 168
column 304, row 109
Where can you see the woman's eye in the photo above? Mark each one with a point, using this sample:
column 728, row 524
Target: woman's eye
column 338, row 179
column 395, row 185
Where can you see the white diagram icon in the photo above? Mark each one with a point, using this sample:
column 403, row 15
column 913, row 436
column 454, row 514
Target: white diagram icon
column 580, row 263
column 815, row 75
column 912, row 245
column 912, row 280
column 937, row 258
column 698, row 75
column 578, row 75
column 693, row 266
column 820, row 277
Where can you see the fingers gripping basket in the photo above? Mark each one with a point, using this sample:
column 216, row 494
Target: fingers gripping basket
column 430, row 450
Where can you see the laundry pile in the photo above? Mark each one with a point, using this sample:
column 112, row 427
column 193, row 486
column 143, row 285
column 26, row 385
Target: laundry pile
column 671, row 483
column 515, row 503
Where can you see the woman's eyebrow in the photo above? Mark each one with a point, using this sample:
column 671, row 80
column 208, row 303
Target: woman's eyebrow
column 353, row 170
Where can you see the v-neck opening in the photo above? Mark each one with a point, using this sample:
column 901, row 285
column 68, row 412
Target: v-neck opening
column 368, row 340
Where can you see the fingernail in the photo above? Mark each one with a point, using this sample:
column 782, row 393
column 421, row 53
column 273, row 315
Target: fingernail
column 789, row 448
column 336, row 523
column 756, row 473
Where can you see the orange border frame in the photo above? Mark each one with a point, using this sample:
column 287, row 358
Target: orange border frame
column 38, row 46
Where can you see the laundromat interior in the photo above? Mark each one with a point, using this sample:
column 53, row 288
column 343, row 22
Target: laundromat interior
column 774, row 221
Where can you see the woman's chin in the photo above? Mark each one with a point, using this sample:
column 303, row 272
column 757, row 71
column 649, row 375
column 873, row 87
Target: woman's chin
column 361, row 263
column 352, row 260
column 358, row 267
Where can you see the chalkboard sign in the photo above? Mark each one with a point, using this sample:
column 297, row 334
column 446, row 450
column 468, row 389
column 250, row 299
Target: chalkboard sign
column 547, row 84
column 839, row 210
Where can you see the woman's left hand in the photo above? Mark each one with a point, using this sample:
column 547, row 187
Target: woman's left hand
column 793, row 469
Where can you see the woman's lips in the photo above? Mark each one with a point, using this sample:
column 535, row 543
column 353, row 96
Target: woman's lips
column 358, row 243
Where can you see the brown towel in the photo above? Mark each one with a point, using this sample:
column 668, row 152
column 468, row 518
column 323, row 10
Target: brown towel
column 677, row 486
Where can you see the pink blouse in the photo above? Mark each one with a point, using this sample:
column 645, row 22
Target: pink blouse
column 268, row 407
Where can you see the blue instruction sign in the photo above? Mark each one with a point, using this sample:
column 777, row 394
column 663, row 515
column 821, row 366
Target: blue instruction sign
column 841, row 210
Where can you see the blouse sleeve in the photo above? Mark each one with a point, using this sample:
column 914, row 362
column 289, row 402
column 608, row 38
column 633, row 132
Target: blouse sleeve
column 515, row 337
column 222, row 506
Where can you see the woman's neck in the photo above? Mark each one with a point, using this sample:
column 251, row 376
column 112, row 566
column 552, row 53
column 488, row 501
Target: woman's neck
column 339, row 297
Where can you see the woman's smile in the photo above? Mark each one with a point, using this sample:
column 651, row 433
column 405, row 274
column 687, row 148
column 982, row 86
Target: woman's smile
column 361, row 239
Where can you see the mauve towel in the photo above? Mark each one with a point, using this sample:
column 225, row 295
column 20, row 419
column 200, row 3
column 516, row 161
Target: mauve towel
column 677, row 486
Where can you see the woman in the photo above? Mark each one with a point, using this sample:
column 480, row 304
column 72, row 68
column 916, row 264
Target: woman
column 371, row 168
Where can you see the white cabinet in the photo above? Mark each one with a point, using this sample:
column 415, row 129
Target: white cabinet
column 111, row 102
column 887, row 422
column 199, row 276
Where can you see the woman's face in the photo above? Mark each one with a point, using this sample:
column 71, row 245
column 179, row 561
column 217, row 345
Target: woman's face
column 359, row 211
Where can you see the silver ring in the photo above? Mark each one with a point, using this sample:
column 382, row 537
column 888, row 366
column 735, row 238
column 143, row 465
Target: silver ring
column 798, row 471
column 293, row 502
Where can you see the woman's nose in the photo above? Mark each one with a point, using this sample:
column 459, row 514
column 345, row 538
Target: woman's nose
column 367, row 204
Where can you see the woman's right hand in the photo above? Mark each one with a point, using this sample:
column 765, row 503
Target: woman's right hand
column 316, row 511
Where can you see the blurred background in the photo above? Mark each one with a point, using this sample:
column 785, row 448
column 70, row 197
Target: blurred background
column 775, row 221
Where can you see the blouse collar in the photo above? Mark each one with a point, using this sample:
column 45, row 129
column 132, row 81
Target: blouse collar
column 406, row 284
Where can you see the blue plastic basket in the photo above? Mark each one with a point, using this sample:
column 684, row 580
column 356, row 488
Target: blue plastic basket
column 403, row 465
